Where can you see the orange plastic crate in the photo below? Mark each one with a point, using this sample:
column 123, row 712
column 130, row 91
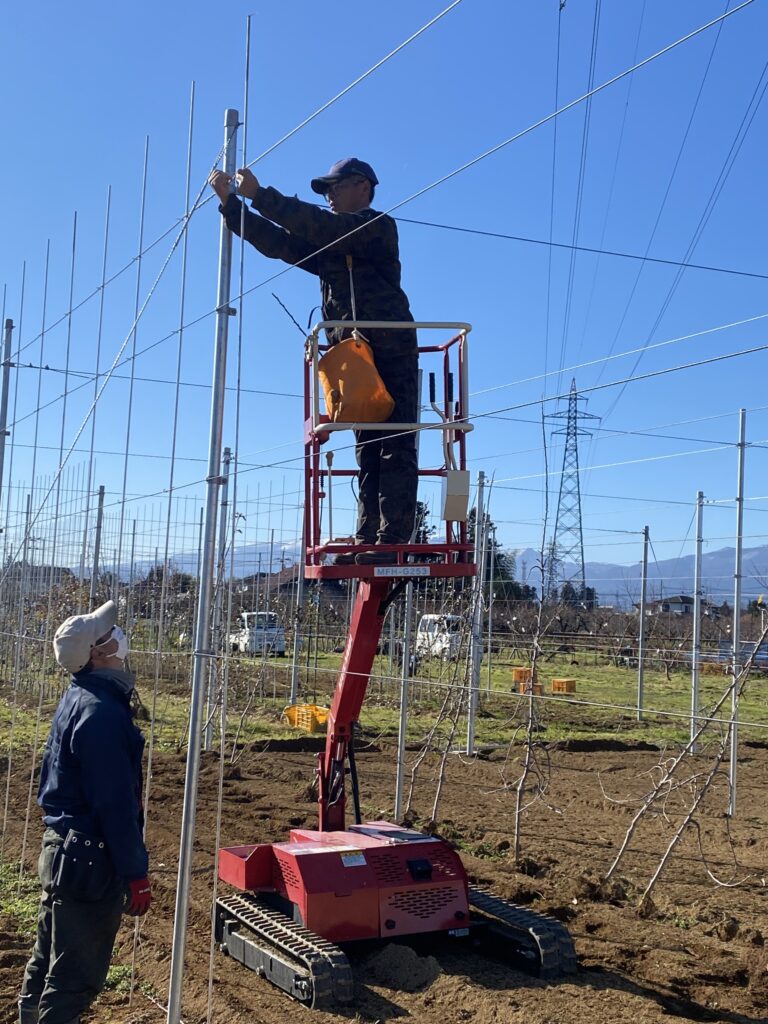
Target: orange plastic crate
column 308, row 717
column 563, row 686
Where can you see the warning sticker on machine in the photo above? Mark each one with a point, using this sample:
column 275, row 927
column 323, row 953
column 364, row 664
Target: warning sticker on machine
column 353, row 859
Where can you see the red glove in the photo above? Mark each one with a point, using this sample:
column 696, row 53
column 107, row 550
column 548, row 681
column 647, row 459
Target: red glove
column 138, row 897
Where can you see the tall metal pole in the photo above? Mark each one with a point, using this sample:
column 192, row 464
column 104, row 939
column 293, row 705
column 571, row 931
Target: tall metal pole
column 404, row 700
column 491, row 546
column 4, row 396
column 218, row 604
column 297, row 617
column 697, row 595
column 202, row 650
column 96, row 551
column 476, row 643
column 737, row 615
column 641, row 632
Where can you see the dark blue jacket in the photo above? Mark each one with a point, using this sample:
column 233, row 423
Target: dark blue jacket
column 91, row 775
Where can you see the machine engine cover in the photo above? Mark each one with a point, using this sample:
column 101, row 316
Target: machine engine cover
column 375, row 880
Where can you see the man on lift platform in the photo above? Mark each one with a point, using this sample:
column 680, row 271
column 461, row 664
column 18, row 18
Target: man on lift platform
column 354, row 251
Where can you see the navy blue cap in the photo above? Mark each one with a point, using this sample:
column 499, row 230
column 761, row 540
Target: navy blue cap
column 345, row 168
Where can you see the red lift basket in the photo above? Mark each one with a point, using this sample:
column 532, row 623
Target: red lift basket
column 451, row 417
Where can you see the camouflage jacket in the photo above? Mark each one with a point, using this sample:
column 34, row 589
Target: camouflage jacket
column 314, row 239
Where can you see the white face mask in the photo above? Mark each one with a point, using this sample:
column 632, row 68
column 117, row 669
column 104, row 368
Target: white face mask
column 122, row 643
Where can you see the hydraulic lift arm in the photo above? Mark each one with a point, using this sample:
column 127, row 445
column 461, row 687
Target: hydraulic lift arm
column 362, row 643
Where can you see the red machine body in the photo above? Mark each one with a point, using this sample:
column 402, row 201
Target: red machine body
column 375, row 880
column 372, row 879
column 299, row 899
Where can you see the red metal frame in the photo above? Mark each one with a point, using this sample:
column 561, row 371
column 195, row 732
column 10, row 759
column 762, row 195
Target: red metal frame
column 374, row 879
column 450, row 558
column 455, row 551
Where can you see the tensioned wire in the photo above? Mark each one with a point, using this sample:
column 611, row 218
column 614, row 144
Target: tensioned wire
column 523, row 380
column 219, row 669
column 134, row 334
column 552, row 186
column 580, row 189
column 614, row 175
column 53, row 554
column 99, row 331
column 476, row 160
column 171, row 471
column 522, row 405
column 202, row 202
column 711, row 202
column 673, row 173
column 471, row 163
column 607, row 432
column 122, row 348
column 670, row 182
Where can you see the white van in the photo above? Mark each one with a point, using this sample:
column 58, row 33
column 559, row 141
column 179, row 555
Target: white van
column 259, row 633
column 439, row 636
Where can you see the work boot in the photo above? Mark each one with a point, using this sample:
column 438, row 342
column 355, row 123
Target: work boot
column 346, row 558
column 375, row 557
column 28, row 1009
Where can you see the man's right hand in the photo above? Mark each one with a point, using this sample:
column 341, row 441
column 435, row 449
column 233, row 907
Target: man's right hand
column 138, row 897
column 220, row 182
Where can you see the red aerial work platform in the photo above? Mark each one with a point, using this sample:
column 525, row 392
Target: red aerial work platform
column 297, row 900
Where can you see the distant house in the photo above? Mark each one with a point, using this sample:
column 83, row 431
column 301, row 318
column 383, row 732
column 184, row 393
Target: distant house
column 680, row 604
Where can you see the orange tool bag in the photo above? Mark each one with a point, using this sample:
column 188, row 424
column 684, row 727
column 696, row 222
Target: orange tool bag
column 354, row 391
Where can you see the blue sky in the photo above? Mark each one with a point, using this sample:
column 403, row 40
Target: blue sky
column 84, row 85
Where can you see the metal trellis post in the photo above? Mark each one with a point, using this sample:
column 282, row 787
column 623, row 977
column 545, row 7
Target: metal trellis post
column 218, row 604
column 202, row 650
column 4, row 395
column 96, row 550
column 404, row 700
column 697, row 595
column 641, row 631
column 476, row 649
column 734, row 753
column 297, row 621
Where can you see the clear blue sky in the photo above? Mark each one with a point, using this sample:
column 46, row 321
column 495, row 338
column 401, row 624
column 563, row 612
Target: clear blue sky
column 84, row 84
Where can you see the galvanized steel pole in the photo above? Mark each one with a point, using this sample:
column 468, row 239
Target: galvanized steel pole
column 476, row 645
column 218, row 604
column 96, row 550
column 697, row 595
column 737, row 615
column 202, row 651
column 4, row 397
column 297, row 617
column 404, row 700
column 641, row 632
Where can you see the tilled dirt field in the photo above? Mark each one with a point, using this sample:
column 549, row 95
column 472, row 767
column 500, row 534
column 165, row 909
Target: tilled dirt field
column 698, row 952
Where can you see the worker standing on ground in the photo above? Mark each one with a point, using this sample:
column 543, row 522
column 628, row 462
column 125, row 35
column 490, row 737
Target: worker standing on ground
column 93, row 865
column 321, row 242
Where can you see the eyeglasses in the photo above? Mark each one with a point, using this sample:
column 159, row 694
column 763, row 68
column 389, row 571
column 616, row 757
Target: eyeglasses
column 344, row 183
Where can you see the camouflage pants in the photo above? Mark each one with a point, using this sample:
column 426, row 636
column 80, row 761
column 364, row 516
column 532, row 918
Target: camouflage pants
column 388, row 479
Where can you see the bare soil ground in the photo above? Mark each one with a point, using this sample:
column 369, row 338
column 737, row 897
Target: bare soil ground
column 699, row 953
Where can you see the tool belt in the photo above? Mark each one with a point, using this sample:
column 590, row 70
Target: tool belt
column 83, row 870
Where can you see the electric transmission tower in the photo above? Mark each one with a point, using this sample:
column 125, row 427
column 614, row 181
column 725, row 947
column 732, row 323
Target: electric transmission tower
column 567, row 543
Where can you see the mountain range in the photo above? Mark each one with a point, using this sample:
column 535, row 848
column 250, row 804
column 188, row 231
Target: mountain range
column 619, row 585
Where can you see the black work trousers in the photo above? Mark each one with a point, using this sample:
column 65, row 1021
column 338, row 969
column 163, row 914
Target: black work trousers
column 388, row 480
column 73, row 948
